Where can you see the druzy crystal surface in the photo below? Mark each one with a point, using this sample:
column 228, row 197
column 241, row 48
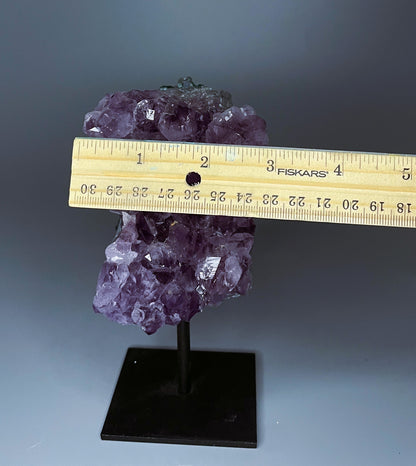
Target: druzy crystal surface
column 162, row 267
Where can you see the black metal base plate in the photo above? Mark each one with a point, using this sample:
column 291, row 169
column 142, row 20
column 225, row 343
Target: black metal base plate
column 220, row 409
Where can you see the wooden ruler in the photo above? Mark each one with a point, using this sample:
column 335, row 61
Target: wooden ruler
column 250, row 181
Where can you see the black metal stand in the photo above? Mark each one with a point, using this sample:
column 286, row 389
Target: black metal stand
column 184, row 349
column 185, row 397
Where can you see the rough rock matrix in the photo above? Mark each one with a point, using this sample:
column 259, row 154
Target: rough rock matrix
column 163, row 268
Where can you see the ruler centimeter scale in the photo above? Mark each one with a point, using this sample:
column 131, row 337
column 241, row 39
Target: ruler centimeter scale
column 248, row 181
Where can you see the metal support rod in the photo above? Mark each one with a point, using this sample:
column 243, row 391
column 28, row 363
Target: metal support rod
column 184, row 350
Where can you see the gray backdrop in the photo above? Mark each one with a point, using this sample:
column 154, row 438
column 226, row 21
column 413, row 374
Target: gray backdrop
column 332, row 313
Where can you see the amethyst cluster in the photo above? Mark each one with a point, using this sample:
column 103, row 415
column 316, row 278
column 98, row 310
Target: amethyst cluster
column 187, row 112
column 163, row 268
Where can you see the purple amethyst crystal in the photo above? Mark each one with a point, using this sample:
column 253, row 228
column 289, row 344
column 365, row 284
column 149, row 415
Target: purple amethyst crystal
column 163, row 268
column 237, row 126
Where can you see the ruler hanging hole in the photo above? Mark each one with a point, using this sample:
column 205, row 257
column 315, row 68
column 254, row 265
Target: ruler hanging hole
column 193, row 178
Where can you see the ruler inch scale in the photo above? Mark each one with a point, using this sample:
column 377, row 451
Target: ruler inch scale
column 363, row 188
